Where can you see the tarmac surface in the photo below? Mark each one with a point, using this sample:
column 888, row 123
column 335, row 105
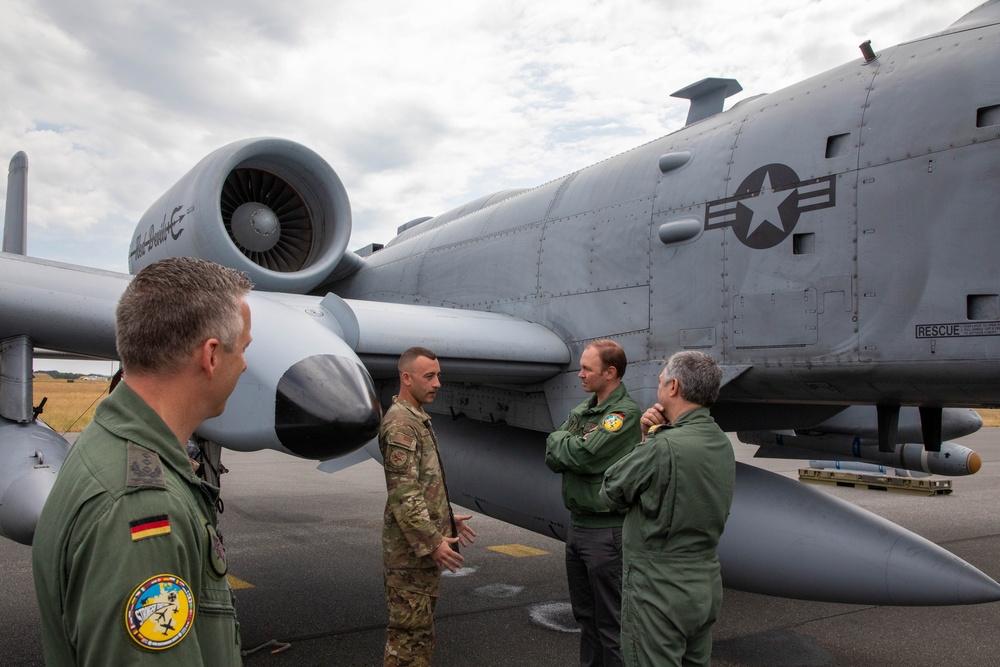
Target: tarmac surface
column 307, row 545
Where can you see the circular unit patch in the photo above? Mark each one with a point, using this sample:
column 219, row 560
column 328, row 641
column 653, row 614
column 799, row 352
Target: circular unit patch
column 614, row 421
column 160, row 612
column 216, row 552
column 398, row 458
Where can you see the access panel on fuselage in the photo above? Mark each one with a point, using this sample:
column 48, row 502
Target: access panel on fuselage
column 789, row 224
column 687, row 299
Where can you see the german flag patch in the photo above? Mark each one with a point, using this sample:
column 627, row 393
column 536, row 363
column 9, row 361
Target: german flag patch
column 151, row 526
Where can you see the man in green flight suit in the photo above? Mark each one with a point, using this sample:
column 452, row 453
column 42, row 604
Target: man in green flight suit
column 598, row 432
column 128, row 563
column 678, row 488
column 420, row 533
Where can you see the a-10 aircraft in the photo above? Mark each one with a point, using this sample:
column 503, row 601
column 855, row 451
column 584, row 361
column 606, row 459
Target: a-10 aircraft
column 832, row 245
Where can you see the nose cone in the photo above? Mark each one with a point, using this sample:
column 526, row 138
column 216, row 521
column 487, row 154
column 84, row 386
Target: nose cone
column 959, row 422
column 22, row 503
column 975, row 462
column 325, row 406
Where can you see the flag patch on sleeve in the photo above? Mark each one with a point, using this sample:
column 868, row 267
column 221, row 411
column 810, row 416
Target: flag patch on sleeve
column 151, row 526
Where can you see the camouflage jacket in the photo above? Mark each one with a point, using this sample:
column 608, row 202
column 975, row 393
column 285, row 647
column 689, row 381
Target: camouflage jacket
column 417, row 513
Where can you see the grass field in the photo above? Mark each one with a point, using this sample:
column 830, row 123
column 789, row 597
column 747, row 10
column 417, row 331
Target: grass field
column 990, row 417
column 71, row 404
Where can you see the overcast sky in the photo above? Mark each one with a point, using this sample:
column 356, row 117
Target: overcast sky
column 418, row 106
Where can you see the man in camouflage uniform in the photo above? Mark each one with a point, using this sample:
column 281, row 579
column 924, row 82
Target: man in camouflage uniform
column 128, row 563
column 419, row 533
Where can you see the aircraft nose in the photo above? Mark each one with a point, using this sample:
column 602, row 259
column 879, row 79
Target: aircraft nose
column 326, row 406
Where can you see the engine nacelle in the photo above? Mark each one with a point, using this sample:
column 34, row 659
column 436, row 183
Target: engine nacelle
column 270, row 207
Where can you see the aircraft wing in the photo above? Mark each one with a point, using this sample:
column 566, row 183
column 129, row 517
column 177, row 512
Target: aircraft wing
column 292, row 390
column 310, row 395
column 479, row 346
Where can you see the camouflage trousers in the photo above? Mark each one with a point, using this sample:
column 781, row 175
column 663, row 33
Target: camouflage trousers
column 410, row 634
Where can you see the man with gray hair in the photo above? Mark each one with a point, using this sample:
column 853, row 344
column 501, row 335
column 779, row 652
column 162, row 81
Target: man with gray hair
column 128, row 563
column 678, row 488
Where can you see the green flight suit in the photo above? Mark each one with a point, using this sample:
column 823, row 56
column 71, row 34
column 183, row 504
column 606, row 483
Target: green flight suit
column 417, row 518
column 127, row 561
column 678, row 487
column 591, row 439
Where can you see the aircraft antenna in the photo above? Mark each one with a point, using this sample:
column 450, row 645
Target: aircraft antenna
column 707, row 96
column 867, row 51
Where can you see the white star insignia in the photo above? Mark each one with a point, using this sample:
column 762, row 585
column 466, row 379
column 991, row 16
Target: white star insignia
column 764, row 206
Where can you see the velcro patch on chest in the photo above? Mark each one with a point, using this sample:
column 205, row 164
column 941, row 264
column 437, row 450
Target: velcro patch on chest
column 613, row 422
column 216, row 552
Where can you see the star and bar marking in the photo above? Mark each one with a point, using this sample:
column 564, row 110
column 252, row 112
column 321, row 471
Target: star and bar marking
column 768, row 203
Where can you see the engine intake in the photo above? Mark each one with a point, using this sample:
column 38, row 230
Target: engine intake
column 270, row 207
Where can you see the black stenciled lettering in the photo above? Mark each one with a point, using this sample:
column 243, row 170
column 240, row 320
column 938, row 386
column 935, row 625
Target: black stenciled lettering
column 174, row 223
column 957, row 330
column 169, row 229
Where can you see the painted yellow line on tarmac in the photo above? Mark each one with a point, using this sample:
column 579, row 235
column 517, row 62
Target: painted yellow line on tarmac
column 518, row 550
column 236, row 583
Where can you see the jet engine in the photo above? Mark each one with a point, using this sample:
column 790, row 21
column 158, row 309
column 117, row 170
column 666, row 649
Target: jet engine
column 270, row 207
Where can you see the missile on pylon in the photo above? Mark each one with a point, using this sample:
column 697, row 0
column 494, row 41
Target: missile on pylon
column 953, row 460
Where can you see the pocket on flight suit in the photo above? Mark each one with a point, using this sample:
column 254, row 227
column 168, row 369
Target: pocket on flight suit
column 218, row 613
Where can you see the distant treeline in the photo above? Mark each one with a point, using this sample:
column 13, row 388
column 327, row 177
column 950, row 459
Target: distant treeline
column 59, row 375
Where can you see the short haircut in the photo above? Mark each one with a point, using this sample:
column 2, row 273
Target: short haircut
column 611, row 354
column 698, row 374
column 174, row 305
column 409, row 356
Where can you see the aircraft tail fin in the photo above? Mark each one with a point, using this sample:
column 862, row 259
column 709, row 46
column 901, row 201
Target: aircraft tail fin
column 15, row 221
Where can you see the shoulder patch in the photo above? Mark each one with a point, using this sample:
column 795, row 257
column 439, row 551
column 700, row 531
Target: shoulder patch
column 159, row 612
column 144, row 468
column 151, row 526
column 613, row 422
column 397, row 459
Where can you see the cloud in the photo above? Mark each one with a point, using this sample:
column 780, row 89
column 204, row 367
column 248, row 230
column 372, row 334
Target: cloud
column 418, row 107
